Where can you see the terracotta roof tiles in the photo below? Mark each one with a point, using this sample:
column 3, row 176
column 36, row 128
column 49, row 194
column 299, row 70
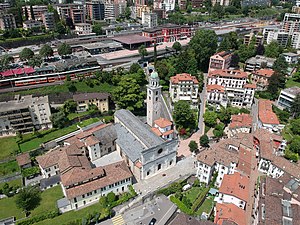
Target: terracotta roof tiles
column 23, row 159
column 183, row 77
column 265, row 112
column 242, row 120
column 229, row 213
column 163, row 122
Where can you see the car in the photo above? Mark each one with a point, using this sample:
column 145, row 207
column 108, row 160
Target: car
column 152, row 221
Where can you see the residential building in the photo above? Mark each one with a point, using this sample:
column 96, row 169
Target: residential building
column 5, row 6
column 290, row 57
column 184, row 87
column 269, row 29
column 7, row 21
column 149, row 20
column 291, row 23
column 23, row 114
column 164, row 129
column 144, row 152
column 261, row 78
column 161, row 13
column 266, row 117
column 197, row 3
column 168, row 5
column 241, row 123
column 281, row 38
column 24, row 160
column 229, row 214
column 234, row 190
column 220, row 61
column 182, row 4
column 259, row 39
column 83, row 100
column 83, row 28
column 109, row 10
column 81, row 183
column 29, row 24
column 221, row 2
column 38, row 11
column 286, row 97
column 229, row 86
column 95, row 10
column 74, row 11
column 259, row 62
column 48, row 20
column 259, row 3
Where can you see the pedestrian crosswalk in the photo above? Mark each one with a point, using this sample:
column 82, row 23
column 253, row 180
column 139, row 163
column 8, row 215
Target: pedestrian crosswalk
column 118, row 220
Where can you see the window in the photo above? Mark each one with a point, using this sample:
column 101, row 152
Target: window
column 171, row 162
column 148, row 172
column 159, row 167
column 75, row 199
column 160, row 151
column 82, row 196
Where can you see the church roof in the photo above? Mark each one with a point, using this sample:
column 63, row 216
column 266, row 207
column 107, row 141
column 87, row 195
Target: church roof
column 154, row 75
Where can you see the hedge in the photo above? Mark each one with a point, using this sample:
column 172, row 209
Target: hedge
column 132, row 191
column 200, row 199
column 183, row 208
column 40, row 217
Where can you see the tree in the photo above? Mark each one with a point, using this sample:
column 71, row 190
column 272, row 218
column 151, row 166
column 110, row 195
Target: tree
column 295, row 126
column 59, row 119
column 64, row 49
column 280, row 65
column 97, row 28
column 204, row 141
column 134, row 68
column 186, row 66
column 26, row 54
column 295, row 145
column 28, row 198
column 26, row 13
column 69, row 106
column 204, row 44
column 210, row 118
column 103, row 201
column 245, row 52
column 218, row 131
column 143, row 51
column 55, row 13
column 260, row 50
column 111, row 197
column 32, row 13
column 155, row 53
column 272, row 50
column 60, row 28
column 236, row 3
column 128, row 95
column 5, row 61
column 177, row 46
column 276, row 81
column 69, row 23
column 35, row 61
column 189, row 8
column 46, row 51
column 193, row 146
column 127, row 13
column 295, row 109
column 184, row 116
column 218, row 11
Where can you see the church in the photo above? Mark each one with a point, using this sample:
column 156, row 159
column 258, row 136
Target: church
column 149, row 148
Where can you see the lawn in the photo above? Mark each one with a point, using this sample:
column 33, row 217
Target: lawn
column 72, row 116
column 8, row 147
column 36, row 142
column 17, row 182
column 48, row 203
column 9, row 167
column 207, row 206
column 193, row 193
column 291, row 83
column 287, row 133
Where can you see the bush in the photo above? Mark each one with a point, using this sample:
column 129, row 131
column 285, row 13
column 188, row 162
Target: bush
column 196, row 183
column 103, row 201
column 132, row 191
column 40, row 217
column 291, row 155
column 181, row 205
column 173, row 188
column 30, row 171
column 111, row 197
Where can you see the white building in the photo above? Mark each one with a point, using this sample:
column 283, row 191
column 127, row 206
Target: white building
column 29, row 24
column 286, row 97
column 83, row 28
column 240, row 124
column 259, row 62
column 149, row 19
column 290, row 57
column 168, row 5
column 163, row 128
column 268, row 29
column 184, row 87
column 230, row 86
column 282, row 38
column 220, row 61
column 23, row 114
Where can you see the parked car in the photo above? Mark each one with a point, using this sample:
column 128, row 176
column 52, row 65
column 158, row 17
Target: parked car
column 153, row 221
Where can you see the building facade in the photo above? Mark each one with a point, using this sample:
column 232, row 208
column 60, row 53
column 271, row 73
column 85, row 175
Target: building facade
column 154, row 103
column 286, row 97
column 83, row 28
column 261, row 78
column 29, row 24
column 95, row 10
column 149, row 20
column 101, row 100
column 48, row 20
column 220, row 61
column 259, row 62
column 7, row 21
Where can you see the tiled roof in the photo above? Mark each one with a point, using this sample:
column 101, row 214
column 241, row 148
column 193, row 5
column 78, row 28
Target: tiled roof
column 246, row 161
column 213, row 87
column 163, row 122
column 264, row 72
column 113, row 173
column 223, row 54
column 156, row 131
column 229, row 213
column 23, row 159
column 183, row 77
column 253, row 86
column 168, row 132
column 236, row 185
column 89, row 132
column 242, row 120
column 90, row 96
column 228, row 73
column 49, row 159
column 265, row 113
column 91, row 140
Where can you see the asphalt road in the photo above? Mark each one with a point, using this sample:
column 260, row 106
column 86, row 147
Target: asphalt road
column 202, row 106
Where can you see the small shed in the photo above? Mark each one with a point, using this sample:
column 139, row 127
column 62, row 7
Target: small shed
column 213, row 191
column 24, row 160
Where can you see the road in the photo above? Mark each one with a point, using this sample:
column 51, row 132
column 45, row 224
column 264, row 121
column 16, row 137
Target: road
column 202, row 105
column 254, row 114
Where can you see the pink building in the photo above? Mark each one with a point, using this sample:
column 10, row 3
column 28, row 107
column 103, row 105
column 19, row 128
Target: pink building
column 220, row 60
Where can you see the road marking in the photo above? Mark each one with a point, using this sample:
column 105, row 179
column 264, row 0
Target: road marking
column 118, row 220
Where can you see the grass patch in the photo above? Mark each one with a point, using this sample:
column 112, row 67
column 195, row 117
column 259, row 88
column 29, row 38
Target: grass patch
column 287, row 133
column 193, row 193
column 17, row 182
column 36, row 142
column 72, row 116
column 8, row 147
column 48, row 203
column 206, row 207
column 9, row 168
column 292, row 83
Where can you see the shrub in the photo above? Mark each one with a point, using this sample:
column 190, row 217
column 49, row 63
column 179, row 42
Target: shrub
column 199, row 199
column 111, row 197
column 173, row 188
column 181, row 206
column 40, row 217
column 132, row 191
column 103, row 201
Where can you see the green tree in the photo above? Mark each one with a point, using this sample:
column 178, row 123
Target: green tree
column 111, row 197
column 32, row 13
column 127, row 13
column 276, row 81
column 219, row 130
column 55, row 13
column 236, row 3
column 204, row 44
column 193, row 146
column 295, row 109
column 218, row 11
column 26, row 54
column 177, row 46
column 143, row 51
column 134, row 68
column 210, row 118
column 46, row 51
column 60, row 28
column 5, row 61
column 280, row 65
column 295, row 145
column 204, row 141
column 184, row 116
column 97, row 28
column 35, row 61
column 128, row 95
column 189, row 8
column 103, row 201
column 295, row 126
column 69, row 106
column 59, row 119
column 155, row 53
column 272, row 50
column 187, row 66
column 28, row 198
column 64, row 49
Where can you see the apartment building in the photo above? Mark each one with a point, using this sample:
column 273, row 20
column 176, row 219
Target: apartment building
column 259, row 62
column 29, row 24
column 269, row 29
column 23, row 114
column 259, row 39
column 220, row 61
column 182, row 4
column 95, row 10
column 291, row 23
column 74, row 11
column 281, row 38
column 7, row 21
column 83, row 100
column 48, row 20
column 38, row 11
column 149, row 20
column 290, row 57
column 229, row 86
column 83, row 28
column 184, row 87
column 259, row 3
column 261, row 78
column 286, row 97
column 221, row 2
column 241, row 123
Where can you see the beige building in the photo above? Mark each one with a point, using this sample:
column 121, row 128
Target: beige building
column 261, row 78
column 83, row 28
column 101, row 100
column 29, row 24
column 220, row 60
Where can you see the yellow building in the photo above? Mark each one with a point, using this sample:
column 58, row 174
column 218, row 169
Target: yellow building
column 101, row 100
